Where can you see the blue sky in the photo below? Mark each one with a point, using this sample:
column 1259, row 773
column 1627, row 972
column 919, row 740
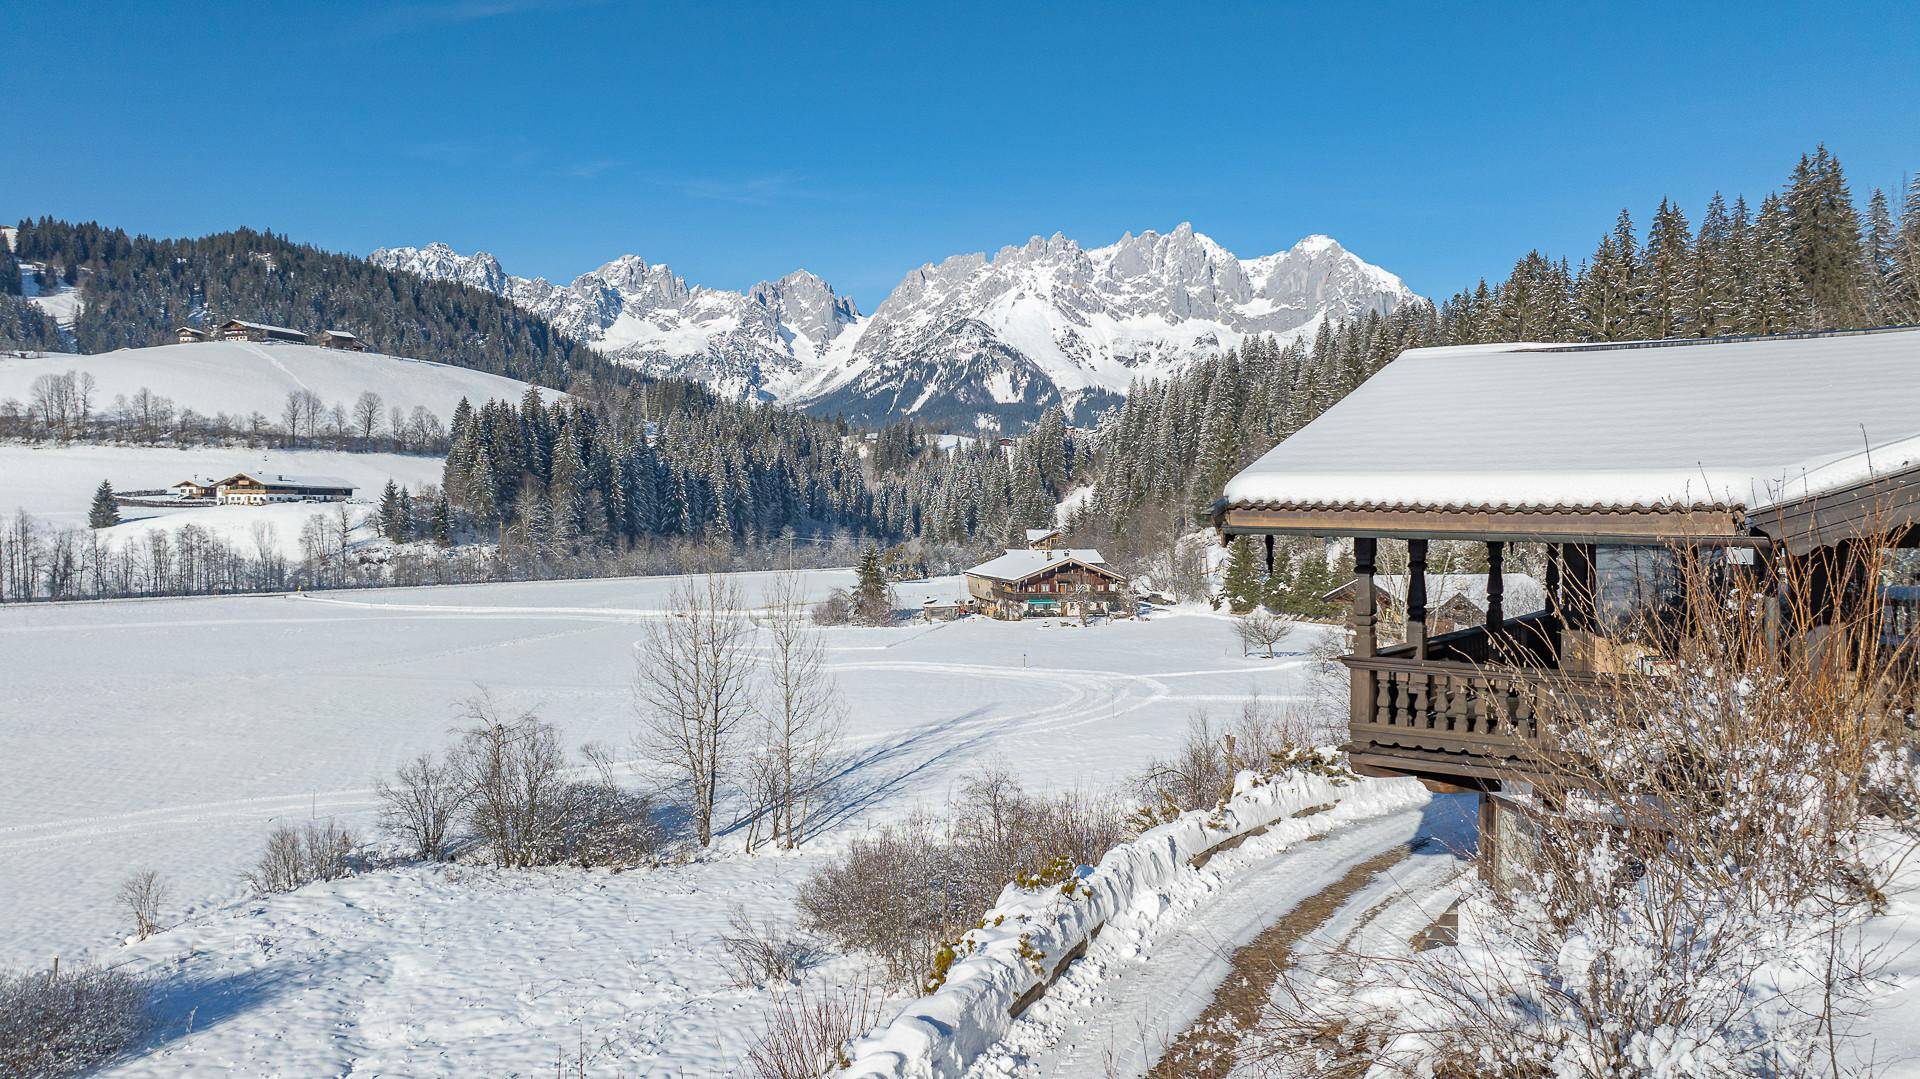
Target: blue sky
column 737, row 142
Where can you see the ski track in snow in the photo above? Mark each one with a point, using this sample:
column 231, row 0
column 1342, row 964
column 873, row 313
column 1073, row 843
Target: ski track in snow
column 1148, row 976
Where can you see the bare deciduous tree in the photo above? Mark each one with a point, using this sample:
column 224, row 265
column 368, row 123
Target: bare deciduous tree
column 802, row 716
column 693, row 689
column 143, row 894
column 366, row 416
column 1260, row 630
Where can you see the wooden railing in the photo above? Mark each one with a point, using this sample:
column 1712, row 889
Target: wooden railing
column 1460, row 717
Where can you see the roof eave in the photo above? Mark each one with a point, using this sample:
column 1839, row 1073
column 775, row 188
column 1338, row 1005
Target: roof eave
column 1720, row 525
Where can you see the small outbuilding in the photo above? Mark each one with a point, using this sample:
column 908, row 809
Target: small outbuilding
column 194, row 488
column 188, row 335
column 1045, row 539
column 340, row 339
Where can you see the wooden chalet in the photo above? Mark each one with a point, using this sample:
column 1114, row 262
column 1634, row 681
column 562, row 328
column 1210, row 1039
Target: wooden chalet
column 1045, row 539
column 1046, row 583
column 340, row 339
column 1611, row 456
column 264, row 488
column 237, row 330
column 188, row 335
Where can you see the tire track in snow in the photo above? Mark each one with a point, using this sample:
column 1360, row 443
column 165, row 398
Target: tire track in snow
column 1149, row 975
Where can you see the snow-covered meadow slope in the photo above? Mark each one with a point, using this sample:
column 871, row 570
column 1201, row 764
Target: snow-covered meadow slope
column 243, row 377
column 174, row 733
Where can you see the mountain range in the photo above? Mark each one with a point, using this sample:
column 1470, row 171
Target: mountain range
column 974, row 338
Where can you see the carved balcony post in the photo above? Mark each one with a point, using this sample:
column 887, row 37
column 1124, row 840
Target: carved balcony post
column 1364, row 549
column 1417, row 597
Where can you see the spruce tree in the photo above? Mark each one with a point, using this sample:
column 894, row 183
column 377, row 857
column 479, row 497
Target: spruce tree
column 1240, row 583
column 1824, row 234
column 105, row 512
column 392, row 521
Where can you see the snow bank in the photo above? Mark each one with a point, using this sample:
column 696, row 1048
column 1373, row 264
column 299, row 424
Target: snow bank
column 1029, row 933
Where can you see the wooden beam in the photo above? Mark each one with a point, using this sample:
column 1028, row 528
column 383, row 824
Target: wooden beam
column 1564, row 526
column 1496, row 583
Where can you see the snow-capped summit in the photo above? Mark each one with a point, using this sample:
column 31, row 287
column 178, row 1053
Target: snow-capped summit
column 756, row 344
column 1049, row 323
column 1041, row 323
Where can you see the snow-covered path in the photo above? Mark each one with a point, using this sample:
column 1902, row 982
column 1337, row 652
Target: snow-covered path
column 1115, row 1011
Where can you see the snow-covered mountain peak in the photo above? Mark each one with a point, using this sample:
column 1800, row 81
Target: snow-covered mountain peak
column 1035, row 324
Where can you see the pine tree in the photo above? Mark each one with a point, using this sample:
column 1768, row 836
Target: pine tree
column 392, row 520
column 1882, row 244
column 1240, row 583
column 1824, row 233
column 105, row 512
column 1904, row 274
column 1662, row 273
column 443, row 521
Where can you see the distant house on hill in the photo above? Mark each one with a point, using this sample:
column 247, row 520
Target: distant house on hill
column 1046, row 583
column 341, row 339
column 188, row 335
column 261, row 488
column 237, row 330
column 1045, row 539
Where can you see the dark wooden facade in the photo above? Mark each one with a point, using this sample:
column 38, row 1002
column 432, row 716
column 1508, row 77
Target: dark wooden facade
column 1066, row 587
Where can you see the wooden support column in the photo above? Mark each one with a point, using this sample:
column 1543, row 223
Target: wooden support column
column 1269, row 556
column 1578, row 587
column 1556, row 611
column 1364, row 550
column 1496, row 583
column 1417, row 597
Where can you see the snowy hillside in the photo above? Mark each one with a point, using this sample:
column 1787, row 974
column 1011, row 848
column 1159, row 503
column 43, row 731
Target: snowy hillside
column 1005, row 335
column 239, row 378
column 757, row 344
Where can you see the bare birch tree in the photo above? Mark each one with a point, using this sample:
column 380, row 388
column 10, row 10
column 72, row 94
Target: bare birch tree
column 693, row 689
column 802, row 717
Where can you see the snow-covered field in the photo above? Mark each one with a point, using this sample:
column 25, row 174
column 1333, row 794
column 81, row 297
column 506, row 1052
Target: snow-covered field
column 242, row 377
column 172, row 733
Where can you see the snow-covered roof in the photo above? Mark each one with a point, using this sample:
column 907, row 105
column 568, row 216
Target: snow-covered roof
column 1019, row 565
column 1041, row 533
column 1738, row 423
column 264, row 327
column 1521, row 593
column 275, row 479
column 342, row 335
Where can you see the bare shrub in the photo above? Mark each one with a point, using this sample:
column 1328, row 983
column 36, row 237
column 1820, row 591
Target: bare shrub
column 1262, row 737
column 807, row 1033
column 421, row 805
column 905, row 891
column 70, row 1023
column 143, row 894
column 1689, row 854
column 298, row 855
column 764, row 953
column 519, row 799
column 611, row 826
column 835, row 610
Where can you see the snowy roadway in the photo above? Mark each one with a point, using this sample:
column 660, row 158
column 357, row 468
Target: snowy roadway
column 1143, row 982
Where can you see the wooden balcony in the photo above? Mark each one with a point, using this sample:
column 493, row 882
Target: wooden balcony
column 1469, row 713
